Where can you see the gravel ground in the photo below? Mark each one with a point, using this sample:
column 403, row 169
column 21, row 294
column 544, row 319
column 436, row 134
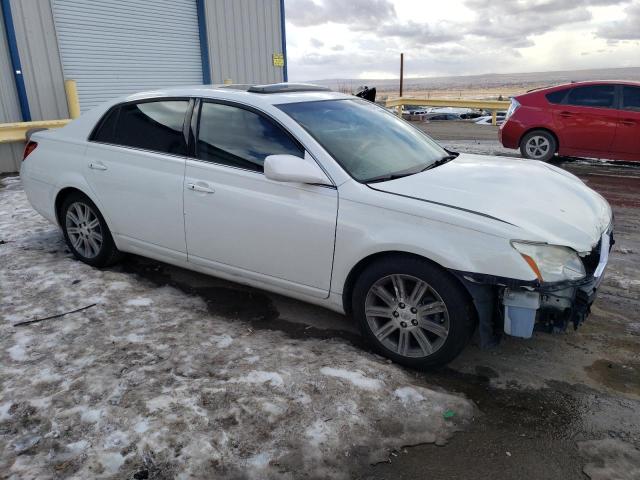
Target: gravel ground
column 173, row 373
column 148, row 383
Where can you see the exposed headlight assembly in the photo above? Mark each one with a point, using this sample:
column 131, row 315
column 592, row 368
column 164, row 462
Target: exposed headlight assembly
column 551, row 263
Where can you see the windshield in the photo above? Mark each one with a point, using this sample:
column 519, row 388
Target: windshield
column 367, row 141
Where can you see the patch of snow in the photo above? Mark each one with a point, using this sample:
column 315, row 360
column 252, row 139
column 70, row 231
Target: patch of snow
column 135, row 338
column 317, row 433
column 222, row 341
column 258, row 376
column 78, row 447
column 18, row 353
column 139, row 302
column 356, row 378
column 408, row 395
column 260, row 460
column 142, row 426
column 4, row 411
column 609, row 459
column 91, row 416
column 111, row 462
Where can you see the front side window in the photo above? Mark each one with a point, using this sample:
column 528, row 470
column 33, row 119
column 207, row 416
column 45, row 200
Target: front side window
column 156, row 126
column 368, row 142
column 240, row 138
column 631, row 98
column 601, row 96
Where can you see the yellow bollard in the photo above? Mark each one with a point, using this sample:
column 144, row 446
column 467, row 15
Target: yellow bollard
column 228, row 81
column 73, row 103
column 494, row 117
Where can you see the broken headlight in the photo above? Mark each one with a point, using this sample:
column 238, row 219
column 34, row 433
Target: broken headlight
column 551, row 263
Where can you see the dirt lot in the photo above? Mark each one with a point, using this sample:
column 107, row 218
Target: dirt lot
column 175, row 372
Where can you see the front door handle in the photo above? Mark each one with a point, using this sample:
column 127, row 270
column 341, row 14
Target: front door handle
column 566, row 114
column 628, row 122
column 200, row 187
column 97, row 166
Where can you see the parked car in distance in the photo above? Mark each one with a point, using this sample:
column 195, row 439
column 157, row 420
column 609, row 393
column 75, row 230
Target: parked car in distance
column 488, row 119
column 585, row 119
column 441, row 116
column 245, row 184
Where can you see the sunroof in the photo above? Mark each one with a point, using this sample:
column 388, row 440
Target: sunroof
column 287, row 88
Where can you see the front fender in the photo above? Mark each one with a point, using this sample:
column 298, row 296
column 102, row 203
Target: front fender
column 449, row 245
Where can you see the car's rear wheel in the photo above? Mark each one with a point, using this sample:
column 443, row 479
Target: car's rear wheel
column 412, row 311
column 538, row 145
column 86, row 232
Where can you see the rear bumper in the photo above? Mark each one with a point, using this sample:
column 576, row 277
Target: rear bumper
column 509, row 134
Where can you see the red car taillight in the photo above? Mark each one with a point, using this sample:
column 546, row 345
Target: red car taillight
column 29, row 147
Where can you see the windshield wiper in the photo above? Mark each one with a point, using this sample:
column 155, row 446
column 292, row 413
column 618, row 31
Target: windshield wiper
column 442, row 161
column 393, row 176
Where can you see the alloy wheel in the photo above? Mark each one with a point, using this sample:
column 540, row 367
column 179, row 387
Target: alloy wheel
column 537, row 146
column 84, row 230
column 407, row 316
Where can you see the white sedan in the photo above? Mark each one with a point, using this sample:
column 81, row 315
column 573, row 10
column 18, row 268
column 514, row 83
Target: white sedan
column 329, row 199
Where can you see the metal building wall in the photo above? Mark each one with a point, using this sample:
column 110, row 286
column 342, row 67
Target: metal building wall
column 10, row 153
column 121, row 47
column 242, row 36
column 40, row 58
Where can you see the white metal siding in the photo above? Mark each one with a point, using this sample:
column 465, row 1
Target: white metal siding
column 116, row 47
column 243, row 36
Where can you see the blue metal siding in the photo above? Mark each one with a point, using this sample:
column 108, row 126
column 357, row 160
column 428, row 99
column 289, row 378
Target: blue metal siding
column 15, row 60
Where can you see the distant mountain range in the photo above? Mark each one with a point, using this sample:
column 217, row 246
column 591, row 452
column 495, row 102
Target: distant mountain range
column 487, row 81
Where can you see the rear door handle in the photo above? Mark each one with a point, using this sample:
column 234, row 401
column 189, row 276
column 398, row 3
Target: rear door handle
column 628, row 122
column 97, row 166
column 200, row 187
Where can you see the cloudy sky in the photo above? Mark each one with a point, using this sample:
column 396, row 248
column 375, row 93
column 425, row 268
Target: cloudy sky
column 363, row 38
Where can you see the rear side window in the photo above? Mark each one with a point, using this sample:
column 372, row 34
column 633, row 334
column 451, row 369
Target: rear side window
column 557, row 96
column 240, row 138
column 156, row 126
column 601, row 96
column 631, row 98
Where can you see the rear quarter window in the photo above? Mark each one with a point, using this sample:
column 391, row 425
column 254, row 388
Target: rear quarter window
column 557, row 96
column 155, row 125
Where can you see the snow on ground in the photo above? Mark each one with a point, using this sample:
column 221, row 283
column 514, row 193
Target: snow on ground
column 149, row 380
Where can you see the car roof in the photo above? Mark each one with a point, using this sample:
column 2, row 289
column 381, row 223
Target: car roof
column 582, row 84
column 272, row 94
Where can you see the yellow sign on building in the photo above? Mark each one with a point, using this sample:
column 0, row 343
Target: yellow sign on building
column 278, row 60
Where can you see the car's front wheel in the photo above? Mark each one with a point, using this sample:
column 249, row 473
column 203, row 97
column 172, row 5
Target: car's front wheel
column 86, row 232
column 412, row 311
column 538, row 145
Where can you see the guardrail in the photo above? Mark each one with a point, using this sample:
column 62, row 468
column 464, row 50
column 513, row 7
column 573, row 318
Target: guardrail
column 16, row 132
column 491, row 105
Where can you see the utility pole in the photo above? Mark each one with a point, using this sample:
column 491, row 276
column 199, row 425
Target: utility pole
column 401, row 71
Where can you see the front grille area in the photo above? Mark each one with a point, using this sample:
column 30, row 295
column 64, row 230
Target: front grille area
column 591, row 261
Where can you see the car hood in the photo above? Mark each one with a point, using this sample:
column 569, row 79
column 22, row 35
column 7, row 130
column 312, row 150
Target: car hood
column 548, row 203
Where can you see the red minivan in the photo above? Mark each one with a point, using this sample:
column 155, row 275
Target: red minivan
column 586, row 119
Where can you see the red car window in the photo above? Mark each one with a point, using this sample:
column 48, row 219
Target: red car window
column 601, row 96
column 631, row 98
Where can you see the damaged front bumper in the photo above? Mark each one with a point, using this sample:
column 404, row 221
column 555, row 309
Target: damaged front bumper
column 517, row 307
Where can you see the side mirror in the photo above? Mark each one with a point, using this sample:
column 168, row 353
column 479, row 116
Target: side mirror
column 289, row 168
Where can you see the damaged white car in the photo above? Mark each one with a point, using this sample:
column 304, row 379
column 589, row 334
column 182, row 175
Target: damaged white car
column 329, row 199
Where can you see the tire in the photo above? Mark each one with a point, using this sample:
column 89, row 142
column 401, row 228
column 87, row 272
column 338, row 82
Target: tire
column 538, row 145
column 398, row 332
column 86, row 232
